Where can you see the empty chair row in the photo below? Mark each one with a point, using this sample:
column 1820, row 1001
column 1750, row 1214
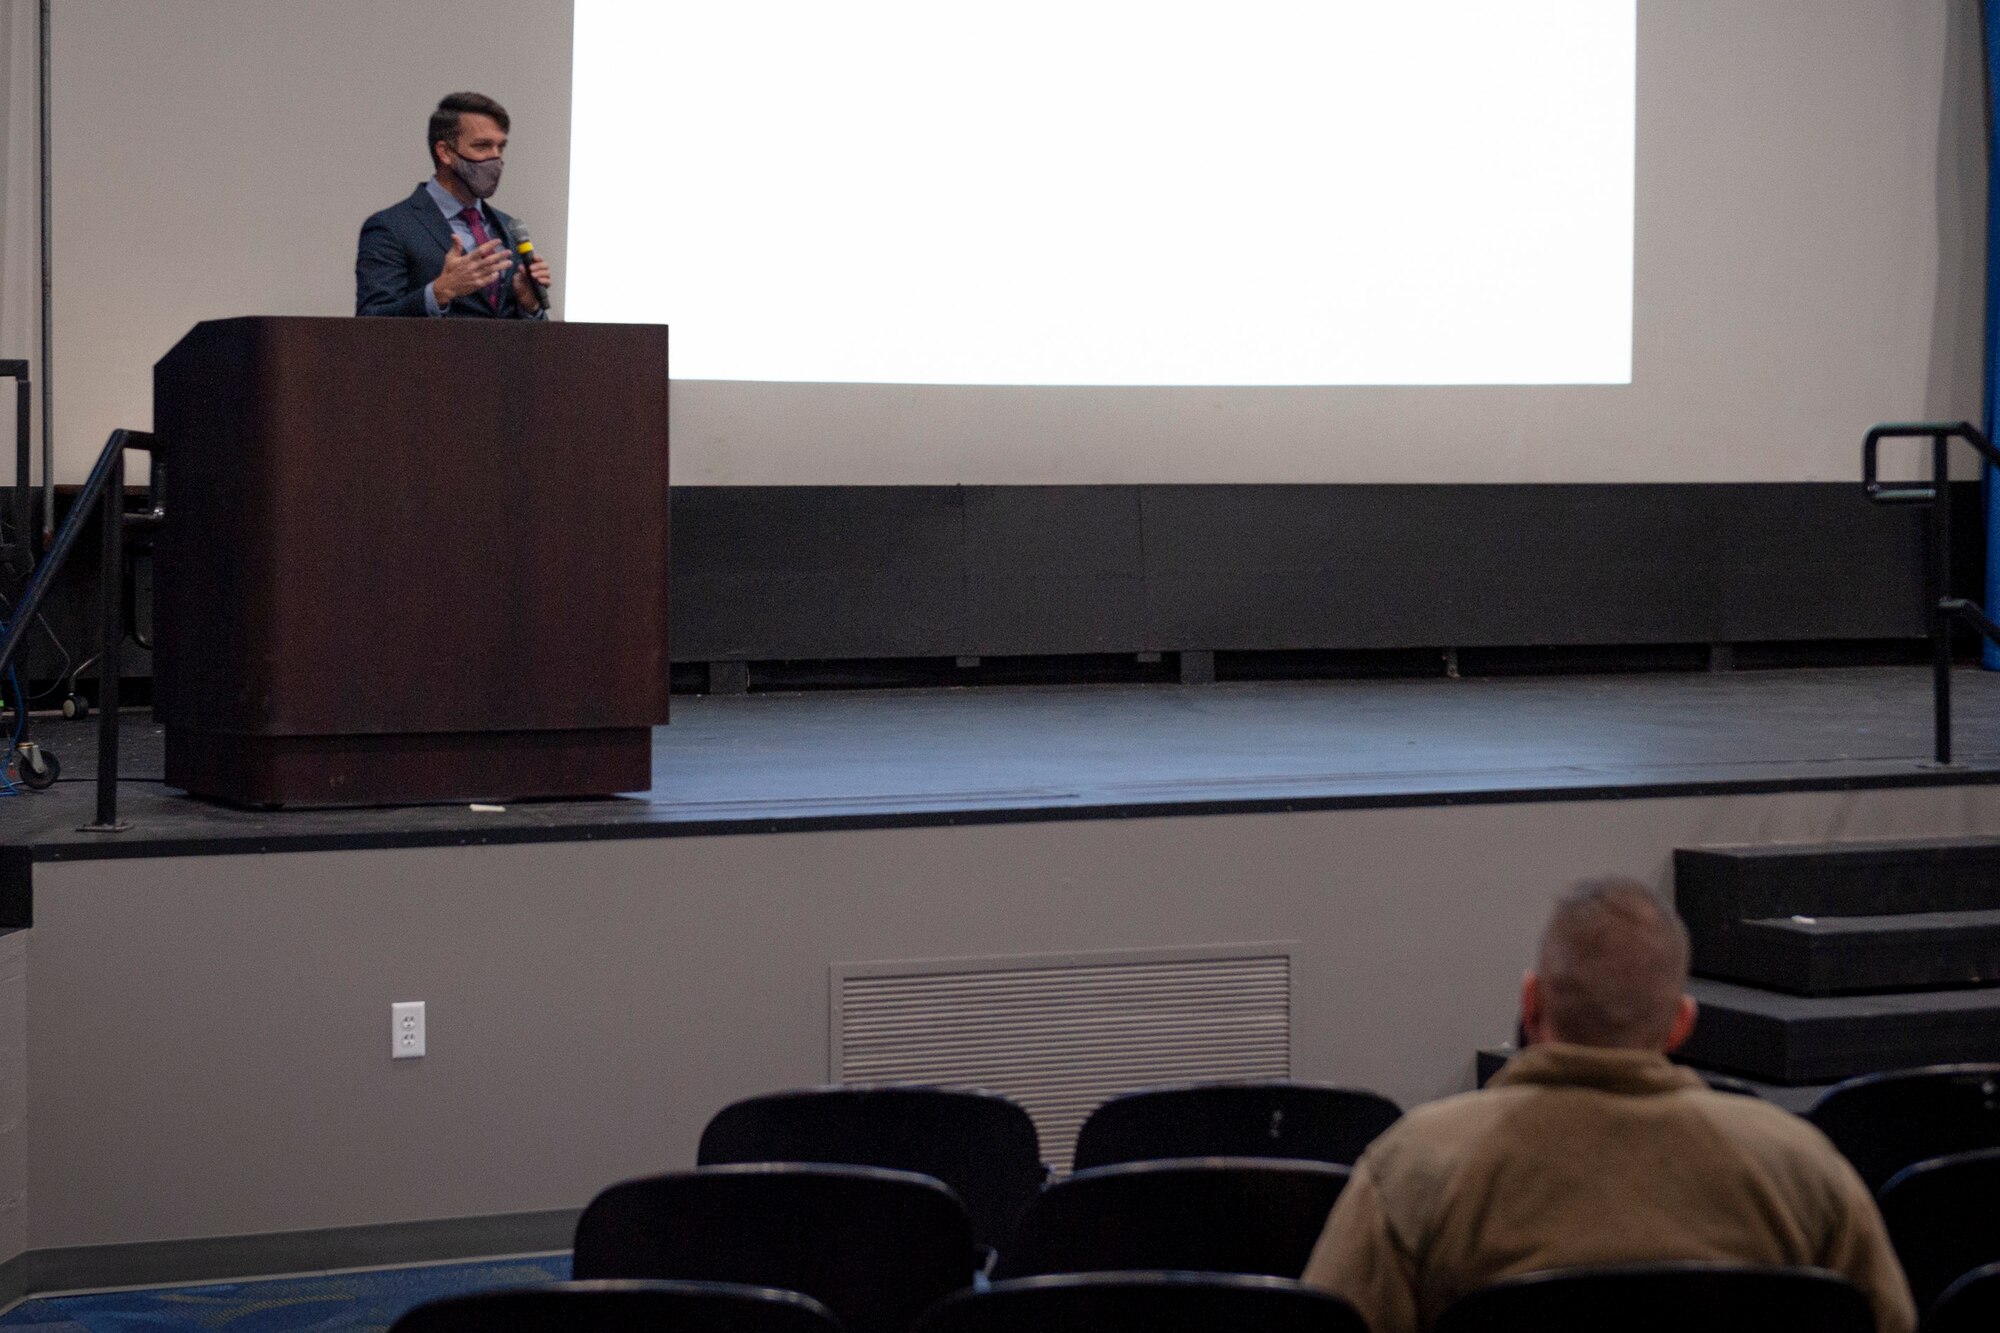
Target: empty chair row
column 1883, row 1123
column 1943, row 1217
column 878, row 1246
column 1927, row 1141
column 1657, row 1298
column 985, row 1147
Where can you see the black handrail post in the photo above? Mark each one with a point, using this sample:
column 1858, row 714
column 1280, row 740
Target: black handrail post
column 24, row 510
column 1944, row 609
column 111, row 604
column 1941, row 617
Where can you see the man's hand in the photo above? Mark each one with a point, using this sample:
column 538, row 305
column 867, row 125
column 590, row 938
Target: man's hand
column 524, row 293
column 464, row 273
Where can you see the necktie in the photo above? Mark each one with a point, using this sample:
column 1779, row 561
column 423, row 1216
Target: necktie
column 480, row 237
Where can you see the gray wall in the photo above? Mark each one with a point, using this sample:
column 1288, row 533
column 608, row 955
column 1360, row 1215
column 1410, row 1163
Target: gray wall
column 216, row 158
column 1809, row 238
column 206, row 1037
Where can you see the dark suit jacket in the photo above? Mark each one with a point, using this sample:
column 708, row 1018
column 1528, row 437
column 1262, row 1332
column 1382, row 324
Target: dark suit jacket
column 403, row 248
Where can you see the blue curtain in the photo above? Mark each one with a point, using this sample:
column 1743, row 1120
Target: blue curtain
column 1990, row 30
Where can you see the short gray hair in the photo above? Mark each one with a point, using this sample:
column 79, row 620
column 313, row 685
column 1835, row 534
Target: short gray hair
column 1613, row 965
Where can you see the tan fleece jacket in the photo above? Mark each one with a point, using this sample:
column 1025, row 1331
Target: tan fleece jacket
column 1577, row 1156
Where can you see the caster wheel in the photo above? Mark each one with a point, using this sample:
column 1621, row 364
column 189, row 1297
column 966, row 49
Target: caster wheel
column 38, row 768
column 75, row 706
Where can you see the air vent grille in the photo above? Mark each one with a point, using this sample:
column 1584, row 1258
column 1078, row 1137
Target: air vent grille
column 1060, row 1035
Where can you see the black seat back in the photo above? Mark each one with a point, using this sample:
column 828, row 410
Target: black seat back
column 1299, row 1121
column 622, row 1307
column 1665, row 1298
column 1969, row 1305
column 1208, row 1214
column 1944, row 1218
column 1885, row 1122
column 1144, row 1303
column 875, row 1247
column 981, row 1144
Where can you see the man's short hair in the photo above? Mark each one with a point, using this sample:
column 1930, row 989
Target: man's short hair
column 1613, row 965
column 444, row 120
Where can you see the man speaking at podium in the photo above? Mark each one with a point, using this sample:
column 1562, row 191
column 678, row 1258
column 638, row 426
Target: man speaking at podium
column 444, row 250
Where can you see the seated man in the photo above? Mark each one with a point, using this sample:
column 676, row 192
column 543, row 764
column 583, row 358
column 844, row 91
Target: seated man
column 1591, row 1148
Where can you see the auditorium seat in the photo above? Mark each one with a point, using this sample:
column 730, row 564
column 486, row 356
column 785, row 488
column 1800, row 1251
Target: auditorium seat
column 876, row 1247
column 1156, row 1302
column 1885, row 1122
column 1944, row 1217
column 981, row 1144
column 1301, row 1121
column 1969, row 1305
column 1209, row 1214
column 622, row 1307
column 1665, row 1298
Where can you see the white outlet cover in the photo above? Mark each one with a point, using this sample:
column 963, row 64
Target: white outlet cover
column 406, row 1030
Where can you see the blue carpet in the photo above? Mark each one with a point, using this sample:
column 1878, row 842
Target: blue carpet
column 334, row 1304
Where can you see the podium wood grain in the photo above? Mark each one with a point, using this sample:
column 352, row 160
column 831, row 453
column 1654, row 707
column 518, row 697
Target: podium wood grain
column 412, row 560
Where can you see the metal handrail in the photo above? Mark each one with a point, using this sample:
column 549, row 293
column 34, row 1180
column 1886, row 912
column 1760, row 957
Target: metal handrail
column 1944, row 608
column 104, row 492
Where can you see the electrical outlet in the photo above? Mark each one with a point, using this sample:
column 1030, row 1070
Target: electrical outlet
column 406, row 1030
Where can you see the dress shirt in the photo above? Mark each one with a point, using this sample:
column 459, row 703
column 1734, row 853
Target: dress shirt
column 454, row 216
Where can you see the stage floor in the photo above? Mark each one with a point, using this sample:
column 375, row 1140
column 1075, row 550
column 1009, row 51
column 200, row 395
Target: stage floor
column 766, row 762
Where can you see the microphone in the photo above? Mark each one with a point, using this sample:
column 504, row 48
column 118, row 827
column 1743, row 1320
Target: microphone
column 524, row 246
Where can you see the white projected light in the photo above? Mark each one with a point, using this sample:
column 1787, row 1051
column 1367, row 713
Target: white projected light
column 1110, row 191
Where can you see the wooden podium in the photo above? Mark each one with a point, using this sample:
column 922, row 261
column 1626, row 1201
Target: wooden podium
column 411, row 560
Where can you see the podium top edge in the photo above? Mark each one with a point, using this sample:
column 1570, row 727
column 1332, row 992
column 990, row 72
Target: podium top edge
column 273, row 331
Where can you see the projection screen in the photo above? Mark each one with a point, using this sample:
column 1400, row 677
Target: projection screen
column 1111, row 192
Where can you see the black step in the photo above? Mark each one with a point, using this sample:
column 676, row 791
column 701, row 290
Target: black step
column 1833, row 955
column 1718, row 889
column 1794, row 1039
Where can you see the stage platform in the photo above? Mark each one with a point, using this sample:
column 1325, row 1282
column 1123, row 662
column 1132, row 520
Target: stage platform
column 894, row 758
